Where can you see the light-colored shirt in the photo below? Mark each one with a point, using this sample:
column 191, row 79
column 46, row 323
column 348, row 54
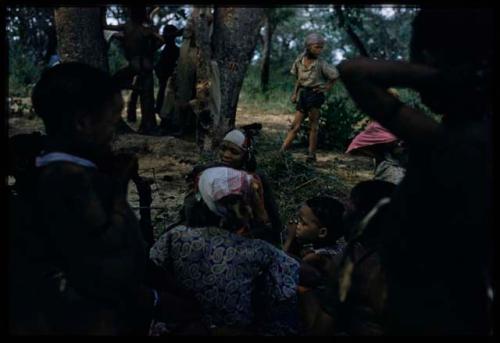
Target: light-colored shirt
column 318, row 73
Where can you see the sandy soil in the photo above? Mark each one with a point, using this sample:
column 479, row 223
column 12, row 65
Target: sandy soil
column 164, row 161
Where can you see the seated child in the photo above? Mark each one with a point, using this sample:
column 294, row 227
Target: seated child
column 356, row 307
column 316, row 238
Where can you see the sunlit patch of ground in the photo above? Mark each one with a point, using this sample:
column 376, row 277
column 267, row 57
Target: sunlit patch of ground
column 165, row 160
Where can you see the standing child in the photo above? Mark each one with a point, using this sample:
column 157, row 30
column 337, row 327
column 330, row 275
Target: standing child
column 315, row 77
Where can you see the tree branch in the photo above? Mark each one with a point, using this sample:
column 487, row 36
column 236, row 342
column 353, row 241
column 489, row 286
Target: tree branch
column 350, row 32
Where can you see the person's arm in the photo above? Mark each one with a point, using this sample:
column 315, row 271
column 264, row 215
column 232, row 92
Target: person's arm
column 119, row 27
column 367, row 82
column 272, row 208
column 290, row 246
column 293, row 98
column 294, row 72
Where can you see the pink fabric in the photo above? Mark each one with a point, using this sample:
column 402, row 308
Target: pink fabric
column 218, row 182
column 373, row 134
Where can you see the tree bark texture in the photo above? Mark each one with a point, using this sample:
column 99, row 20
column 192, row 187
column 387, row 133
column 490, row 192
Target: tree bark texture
column 80, row 36
column 235, row 34
column 266, row 55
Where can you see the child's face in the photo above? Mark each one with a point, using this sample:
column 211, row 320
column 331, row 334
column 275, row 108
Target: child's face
column 231, row 154
column 308, row 227
column 316, row 49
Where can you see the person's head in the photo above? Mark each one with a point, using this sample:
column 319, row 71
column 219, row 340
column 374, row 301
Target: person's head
column 458, row 42
column 320, row 220
column 138, row 14
column 364, row 196
column 314, row 44
column 236, row 150
column 227, row 192
column 80, row 105
column 170, row 32
column 393, row 92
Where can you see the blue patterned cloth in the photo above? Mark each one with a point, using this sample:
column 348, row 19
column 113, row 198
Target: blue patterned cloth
column 239, row 282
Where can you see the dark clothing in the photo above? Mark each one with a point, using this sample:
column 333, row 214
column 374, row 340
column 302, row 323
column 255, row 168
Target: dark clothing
column 361, row 314
column 164, row 69
column 437, row 239
column 308, row 99
column 273, row 235
column 167, row 61
column 85, row 258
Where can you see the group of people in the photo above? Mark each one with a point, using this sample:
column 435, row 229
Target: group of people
column 410, row 256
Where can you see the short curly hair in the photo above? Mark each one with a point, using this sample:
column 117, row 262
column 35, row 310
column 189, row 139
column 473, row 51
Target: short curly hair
column 68, row 88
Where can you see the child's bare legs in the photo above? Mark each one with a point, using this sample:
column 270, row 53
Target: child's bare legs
column 313, row 133
column 299, row 116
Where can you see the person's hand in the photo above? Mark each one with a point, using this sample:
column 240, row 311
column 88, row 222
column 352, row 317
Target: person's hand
column 318, row 89
column 124, row 166
column 292, row 228
column 293, row 98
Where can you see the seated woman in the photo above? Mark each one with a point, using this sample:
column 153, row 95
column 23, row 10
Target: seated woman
column 237, row 151
column 384, row 147
column 244, row 286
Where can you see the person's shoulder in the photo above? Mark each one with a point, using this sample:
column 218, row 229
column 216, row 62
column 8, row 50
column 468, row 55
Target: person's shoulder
column 298, row 59
column 324, row 63
column 60, row 173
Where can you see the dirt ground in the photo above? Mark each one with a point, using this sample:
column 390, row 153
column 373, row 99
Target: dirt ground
column 165, row 160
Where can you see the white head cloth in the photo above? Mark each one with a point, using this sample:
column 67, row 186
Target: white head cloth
column 218, row 182
column 237, row 137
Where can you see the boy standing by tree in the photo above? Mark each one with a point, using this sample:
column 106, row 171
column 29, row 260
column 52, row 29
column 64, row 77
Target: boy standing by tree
column 315, row 77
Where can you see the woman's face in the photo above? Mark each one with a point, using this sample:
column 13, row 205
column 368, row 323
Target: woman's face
column 231, row 154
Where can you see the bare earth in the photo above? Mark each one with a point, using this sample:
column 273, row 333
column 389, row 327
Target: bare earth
column 165, row 160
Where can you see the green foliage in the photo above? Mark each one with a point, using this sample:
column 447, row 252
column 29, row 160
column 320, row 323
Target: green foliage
column 292, row 180
column 24, row 72
column 277, row 98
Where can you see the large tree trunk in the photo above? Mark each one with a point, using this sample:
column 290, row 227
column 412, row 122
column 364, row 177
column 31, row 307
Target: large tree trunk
column 266, row 55
column 236, row 31
column 224, row 43
column 80, row 36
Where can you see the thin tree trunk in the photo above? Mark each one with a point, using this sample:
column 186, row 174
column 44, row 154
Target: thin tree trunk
column 266, row 56
column 354, row 37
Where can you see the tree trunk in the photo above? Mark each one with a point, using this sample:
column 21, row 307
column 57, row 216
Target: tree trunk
column 354, row 37
column 80, row 36
column 80, row 39
column 266, row 55
column 236, row 31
